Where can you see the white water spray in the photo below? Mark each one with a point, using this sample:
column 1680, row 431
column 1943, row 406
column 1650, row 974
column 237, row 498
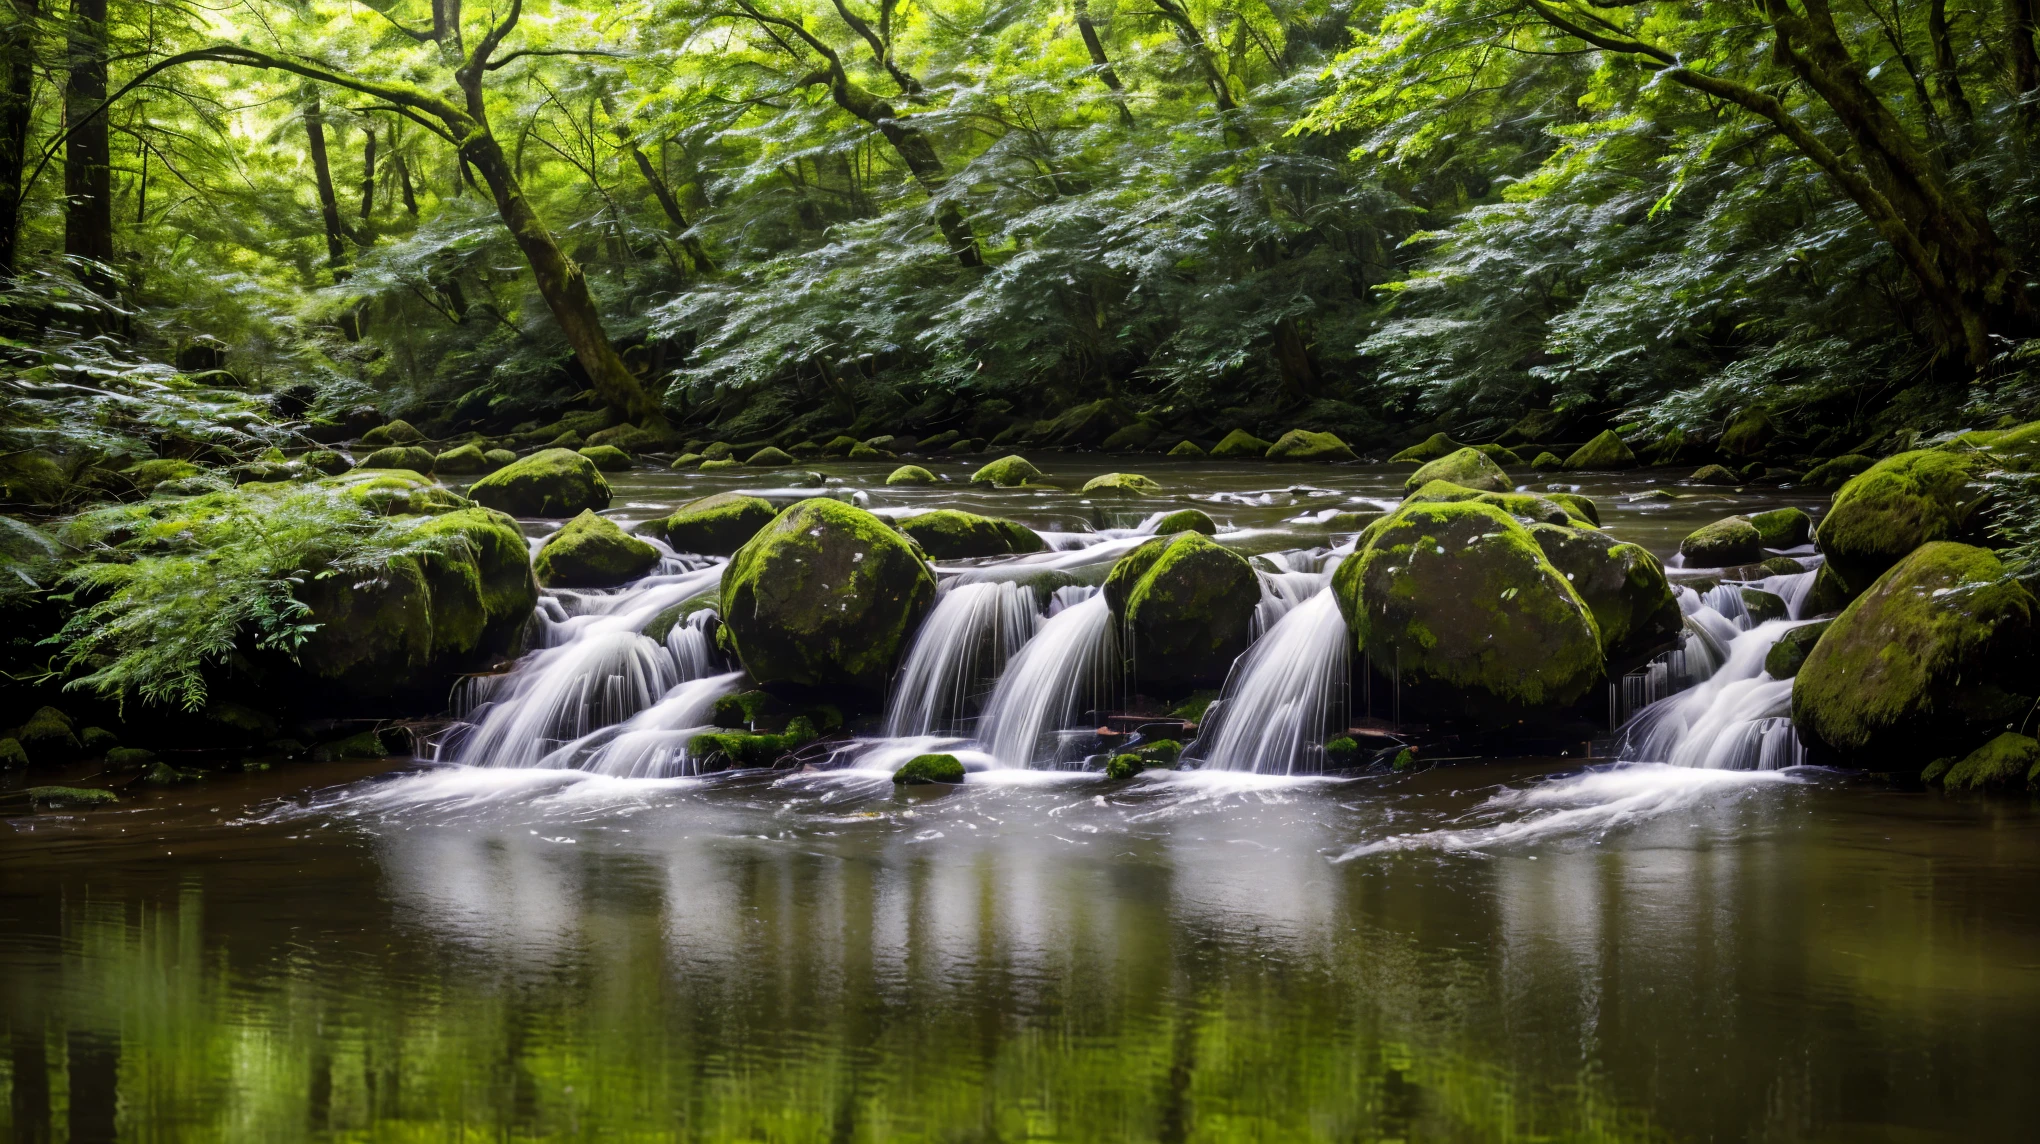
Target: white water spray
column 1072, row 659
column 1282, row 696
column 962, row 646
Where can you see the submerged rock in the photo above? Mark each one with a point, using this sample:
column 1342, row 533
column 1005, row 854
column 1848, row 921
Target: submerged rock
column 1606, row 451
column 1464, row 604
column 1187, row 605
column 1122, row 483
column 714, row 525
column 1467, row 468
column 1430, row 449
column 1304, row 445
column 1894, row 507
column 949, row 534
column 927, row 769
column 1240, row 443
column 592, row 552
column 552, row 482
column 1186, row 520
column 1624, row 586
column 1006, row 472
column 1727, row 542
column 1938, row 653
column 824, row 598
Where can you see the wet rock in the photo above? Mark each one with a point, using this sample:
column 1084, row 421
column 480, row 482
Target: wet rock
column 1240, row 443
column 1122, row 483
column 65, row 798
column 1606, row 451
column 824, row 598
column 97, row 740
column 398, row 432
column 1187, row 605
column 1186, row 520
column 1783, row 527
column 1430, row 449
column 1764, row 606
column 1635, row 613
column 1467, row 468
column 410, row 457
column 1547, row 462
column 1461, row 600
column 948, row 534
column 129, row 759
column 750, row 750
column 1727, row 542
column 1839, row 471
column 1526, row 507
column 1714, row 475
column 48, row 738
column 592, row 552
column 1789, row 654
column 326, row 461
column 632, row 439
column 1937, row 654
column 607, row 458
column 1782, row 566
column 1123, row 767
column 1304, row 445
column 553, row 482
column 687, row 461
column 361, row 745
column 1582, row 508
column 722, row 465
column 497, row 458
column 1006, row 472
column 466, row 459
column 926, row 769
column 865, row 451
column 12, row 755
column 770, row 458
column 911, row 475
column 2010, row 762
column 1186, row 449
column 1897, row 505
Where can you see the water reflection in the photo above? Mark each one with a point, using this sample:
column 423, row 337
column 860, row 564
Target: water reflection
column 1184, row 957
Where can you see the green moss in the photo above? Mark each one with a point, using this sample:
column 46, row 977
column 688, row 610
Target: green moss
column 97, row 740
column 1789, row 654
column 1581, row 508
column 770, row 458
column 753, row 711
column 409, row 457
column 1833, row 474
column 1828, row 593
column 63, row 796
column 745, row 749
column 1783, row 527
column 1006, row 472
column 1161, row 752
column 1894, row 507
column 1187, row 449
column 714, row 525
column 1186, row 520
column 718, row 451
column 396, row 492
column 948, row 534
column 1240, row 443
column 864, row 451
column 1122, row 483
column 1133, row 438
column 48, row 737
column 360, row 745
column 686, row 461
column 1623, row 584
column 840, row 446
column 824, row 597
column 607, row 458
column 1342, row 751
column 481, row 581
column 1606, row 451
column 1467, row 468
column 1749, row 433
column 1764, row 606
column 497, row 458
column 129, row 759
column 1547, row 462
column 1499, row 454
column 1936, row 654
column 1430, row 449
column 1727, row 542
column 926, row 769
column 1714, row 475
column 1304, row 445
column 149, row 474
column 398, row 432
column 724, row 465
column 552, row 482
column 1187, row 605
column 2019, row 447
column 1478, row 619
column 12, row 755
column 1192, row 709
column 466, row 459
column 374, row 634
column 2010, row 762
column 592, row 552
column 1782, row 566
column 1123, row 767
column 911, row 475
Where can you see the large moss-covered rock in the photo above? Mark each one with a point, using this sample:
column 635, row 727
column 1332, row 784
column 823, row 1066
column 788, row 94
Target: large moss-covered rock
column 1304, row 445
column 398, row 432
column 1749, row 433
column 1894, row 507
column 911, row 475
column 1429, row 449
column 2010, row 762
column 592, row 552
column 409, row 457
column 1187, row 606
column 1467, row 468
column 551, row 482
column 480, row 583
column 1622, row 584
column 1581, row 507
column 1186, row 520
column 1462, row 601
column 1131, row 483
column 1006, row 472
column 607, row 458
column 1836, row 472
column 1527, row 507
column 713, row 526
column 396, row 492
column 1783, row 527
column 927, row 769
column 1546, row 462
column 1937, row 656
column 770, row 458
column 1727, row 542
column 466, row 459
column 48, row 737
column 824, row 598
column 1606, row 451
column 1240, row 443
column 1789, row 654
column 949, row 534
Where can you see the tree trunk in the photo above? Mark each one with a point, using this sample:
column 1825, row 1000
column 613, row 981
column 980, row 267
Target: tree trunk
column 915, row 150
column 661, row 190
column 367, row 173
column 1096, row 47
column 404, row 186
column 322, row 174
column 1292, row 357
column 88, row 176
column 561, row 283
column 17, row 109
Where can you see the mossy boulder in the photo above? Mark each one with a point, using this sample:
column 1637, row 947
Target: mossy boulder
column 714, row 525
column 63, row 797
column 2010, row 762
column 466, row 459
column 1124, row 766
column 1499, row 454
column 1781, row 566
column 481, row 584
column 1606, row 451
column 2019, row 447
column 866, row 451
column 927, row 769
column 1730, row 541
column 1527, row 507
column 1783, row 527
column 1897, row 505
column 1304, row 445
column 551, row 482
column 1789, row 654
column 722, row 465
column 1714, row 475
column 1464, row 604
column 1547, row 462
column 721, row 450
column 396, row 492
column 129, row 759
column 1624, row 585
column 398, row 432
column 497, row 458
column 722, row 750
column 770, row 458
column 592, row 552
column 1429, row 449
column 1186, row 520
column 824, row 598
column 1936, row 657
column 686, row 461
column 1828, row 593
column 607, row 458
column 1187, row 449
column 97, row 740
column 839, row 446
column 48, row 737
column 911, row 475
column 950, row 534
column 1838, row 471
column 1006, row 472
column 1749, row 434
column 1763, row 606
column 1581, row 507
column 12, row 755
column 1133, row 438
column 1240, row 443
column 410, row 457
column 1467, row 468
column 1132, row 483
column 1187, row 606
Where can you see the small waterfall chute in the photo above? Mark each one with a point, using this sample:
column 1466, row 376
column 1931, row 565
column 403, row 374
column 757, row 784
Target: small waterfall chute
column 653, row 743
column 960, row 649
column 1738, row 718
column 1282, row 697
column 1071, row 665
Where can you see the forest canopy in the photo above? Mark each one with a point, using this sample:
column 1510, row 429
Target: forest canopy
column 790, row 218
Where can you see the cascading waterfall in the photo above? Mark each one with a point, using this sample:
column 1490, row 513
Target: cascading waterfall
column 652, row 743
column 1071, row 665
column 1283, row 695
column 1738, row 718
column 962, row 646
column 1296, row 579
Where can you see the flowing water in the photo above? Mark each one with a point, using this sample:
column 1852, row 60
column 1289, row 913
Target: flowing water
column 562, row 930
